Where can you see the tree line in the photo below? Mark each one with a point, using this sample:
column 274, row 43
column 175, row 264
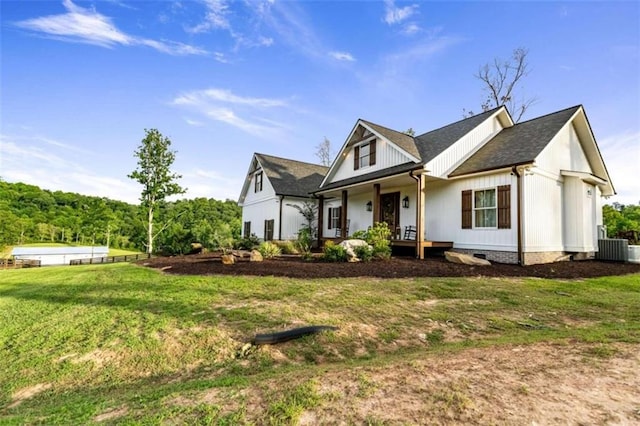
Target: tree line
column 29, row 214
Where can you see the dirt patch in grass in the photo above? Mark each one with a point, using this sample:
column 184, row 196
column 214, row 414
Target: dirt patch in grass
column 534, row 384
column 396, row 267
column 26, row 393
column 111, row 414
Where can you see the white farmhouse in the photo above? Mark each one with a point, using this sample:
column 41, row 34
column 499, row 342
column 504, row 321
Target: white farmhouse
column 273, row 185
column 514, row 193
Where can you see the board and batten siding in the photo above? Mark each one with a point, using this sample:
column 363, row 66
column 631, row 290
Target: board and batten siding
column 387, row 155
column 359, row 217
column 561, row 213
column 257, row 212
column 564, row 152
column 542, row 205
column 267, row 190
column 580, row 228
column 443, row 214
column 292, row 219
column 457, row 153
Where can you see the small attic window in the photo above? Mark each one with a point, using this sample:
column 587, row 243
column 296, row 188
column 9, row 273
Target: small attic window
column 364, row 155
column 258, row 182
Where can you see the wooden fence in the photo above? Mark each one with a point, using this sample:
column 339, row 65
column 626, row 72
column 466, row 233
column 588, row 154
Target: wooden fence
column 110, row 259
column 18, row 263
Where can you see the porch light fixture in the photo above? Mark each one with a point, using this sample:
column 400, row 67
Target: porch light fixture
column 405, row 202
column 369, row 206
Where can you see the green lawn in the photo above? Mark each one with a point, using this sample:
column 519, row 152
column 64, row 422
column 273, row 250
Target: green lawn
column 123, row 343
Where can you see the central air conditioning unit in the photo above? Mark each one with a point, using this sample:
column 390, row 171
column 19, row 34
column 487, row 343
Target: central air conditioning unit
column 613, row 249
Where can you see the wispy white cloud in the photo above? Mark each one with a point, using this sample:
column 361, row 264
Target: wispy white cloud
column 244, row 33
column 422, row 50
column 227, row 96
column 225, row 106
column 292, row 27
column 621, row 153
column 342, row 56
column 210, row 184
column 411, row 29
column 216, row 17
column 194, row 123
column 45, row 162
column 220, row 57
column 396, row 15
column 81, row 25
column 24, row 159
column 122, row 4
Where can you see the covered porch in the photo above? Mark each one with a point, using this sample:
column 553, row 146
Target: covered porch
column 397, row 199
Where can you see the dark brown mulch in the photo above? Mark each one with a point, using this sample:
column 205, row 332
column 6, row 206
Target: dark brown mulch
column 396, row 267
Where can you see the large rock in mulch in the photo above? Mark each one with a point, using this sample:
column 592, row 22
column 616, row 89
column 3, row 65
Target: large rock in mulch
column 465, row 259
column 228, row 259
column 196, row 248
column 241, row 253
column 349, row 246
column 255, row 256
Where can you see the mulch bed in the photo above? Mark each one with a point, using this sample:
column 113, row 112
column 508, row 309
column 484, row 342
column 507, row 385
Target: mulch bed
column 396, row 267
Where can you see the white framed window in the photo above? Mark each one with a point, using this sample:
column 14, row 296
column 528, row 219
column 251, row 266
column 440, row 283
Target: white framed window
column 364, row 155
column 485, row 208
column 258, row 182
column 334, row 217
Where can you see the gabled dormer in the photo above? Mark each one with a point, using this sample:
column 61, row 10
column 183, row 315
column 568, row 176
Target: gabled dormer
column 270, row 176
column 256, row 185
column 371, row 148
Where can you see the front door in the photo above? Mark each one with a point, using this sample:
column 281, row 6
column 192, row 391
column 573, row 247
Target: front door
column 389, row 211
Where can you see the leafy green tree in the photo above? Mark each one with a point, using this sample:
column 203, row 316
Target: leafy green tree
column 621, row 218
column 155, row 159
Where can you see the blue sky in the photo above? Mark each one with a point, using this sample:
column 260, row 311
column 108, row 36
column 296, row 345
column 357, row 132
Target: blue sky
column 80, row 81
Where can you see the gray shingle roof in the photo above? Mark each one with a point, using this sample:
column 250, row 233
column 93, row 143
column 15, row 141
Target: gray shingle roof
column 519, row 144
column 432, row 143
column 403, row 140
column 291, row 177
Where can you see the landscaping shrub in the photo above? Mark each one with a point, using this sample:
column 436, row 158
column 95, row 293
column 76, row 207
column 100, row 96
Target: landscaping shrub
column 334, row 253
column 360, row 234
column 304, row 242
column 269, row 250
column 378, row 238
column 287, row 247
column 364, row 253
column 247, row 243
column 223, row 238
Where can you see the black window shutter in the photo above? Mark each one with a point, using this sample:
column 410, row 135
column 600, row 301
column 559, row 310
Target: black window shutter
column 372, row 152
column 504, row 207
column 467, row 209
column 356, row 158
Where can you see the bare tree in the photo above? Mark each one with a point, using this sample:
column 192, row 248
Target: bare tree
column 410, row 132
column 501, row 82
column 323, row 152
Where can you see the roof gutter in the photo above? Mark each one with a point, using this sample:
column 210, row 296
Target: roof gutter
column 280, row 219
column 419, row 219
column 520, row 185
